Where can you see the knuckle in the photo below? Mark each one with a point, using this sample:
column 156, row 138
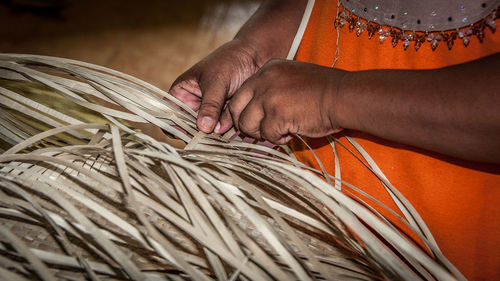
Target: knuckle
column 276, row 109
column 247, row 128
column 273, row 65
column 274, row 102
column 215, row 79
column 210, row 108
column 275, row 61
column 243, row 125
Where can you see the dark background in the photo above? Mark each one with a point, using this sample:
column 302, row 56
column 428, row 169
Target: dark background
column 153, row 40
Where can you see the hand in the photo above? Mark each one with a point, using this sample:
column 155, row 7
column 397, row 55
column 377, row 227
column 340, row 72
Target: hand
column 207, row 85
column 285, row 98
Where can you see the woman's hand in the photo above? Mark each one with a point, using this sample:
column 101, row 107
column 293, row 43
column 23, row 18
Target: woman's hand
column 207, row 85
column 285, row 98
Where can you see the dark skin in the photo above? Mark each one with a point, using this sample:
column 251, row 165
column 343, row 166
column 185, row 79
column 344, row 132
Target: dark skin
column 453, row 110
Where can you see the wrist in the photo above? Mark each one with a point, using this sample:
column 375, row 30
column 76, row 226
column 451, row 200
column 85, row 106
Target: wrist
column 338, row 105
column 270, row 31
column 252, row 49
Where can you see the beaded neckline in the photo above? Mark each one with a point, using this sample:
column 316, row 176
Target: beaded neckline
column 396, row 33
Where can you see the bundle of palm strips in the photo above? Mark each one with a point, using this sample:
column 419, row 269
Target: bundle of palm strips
column 86, row 194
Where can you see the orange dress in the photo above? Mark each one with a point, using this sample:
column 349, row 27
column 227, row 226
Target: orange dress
column 459, row 200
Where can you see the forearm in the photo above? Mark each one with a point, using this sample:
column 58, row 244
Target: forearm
column 270, row 31
column 454, row 110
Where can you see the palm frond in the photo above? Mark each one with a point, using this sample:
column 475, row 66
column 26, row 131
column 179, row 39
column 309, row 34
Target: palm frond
column 85, row 195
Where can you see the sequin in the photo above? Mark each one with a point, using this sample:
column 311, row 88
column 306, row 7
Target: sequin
column 360, row 29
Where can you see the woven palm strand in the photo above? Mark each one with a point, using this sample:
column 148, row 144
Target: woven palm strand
column 85, row 195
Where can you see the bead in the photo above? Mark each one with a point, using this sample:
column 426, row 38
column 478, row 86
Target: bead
column 434, row 44
column 491, row 23
column 466, row 41
column 381, row 38
column 336, row 23
column 449, row 43
column 371, row 30
column 406, row 43
column 360, row 29
column 394, row 41
column 480, row 35
column 417, row 45
column 461, row 34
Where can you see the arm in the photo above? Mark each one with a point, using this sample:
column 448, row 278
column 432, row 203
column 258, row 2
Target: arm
column 453, row 110
column 270, row 31
column 207, row 85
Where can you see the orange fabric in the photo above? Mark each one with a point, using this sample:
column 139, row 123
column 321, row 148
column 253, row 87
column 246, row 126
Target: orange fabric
column 459, row 200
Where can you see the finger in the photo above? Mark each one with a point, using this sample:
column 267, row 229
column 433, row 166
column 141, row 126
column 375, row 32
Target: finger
column 187, row 91
column 271, row 130
column 238, row 103
column 225, row 123
column 214, row 95
column 250, row 120
column 285, row 139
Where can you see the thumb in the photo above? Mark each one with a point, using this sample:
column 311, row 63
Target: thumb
column 212, row 101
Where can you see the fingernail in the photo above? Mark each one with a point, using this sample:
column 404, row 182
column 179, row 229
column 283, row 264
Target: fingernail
column 206, row 124
column 217, row 128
